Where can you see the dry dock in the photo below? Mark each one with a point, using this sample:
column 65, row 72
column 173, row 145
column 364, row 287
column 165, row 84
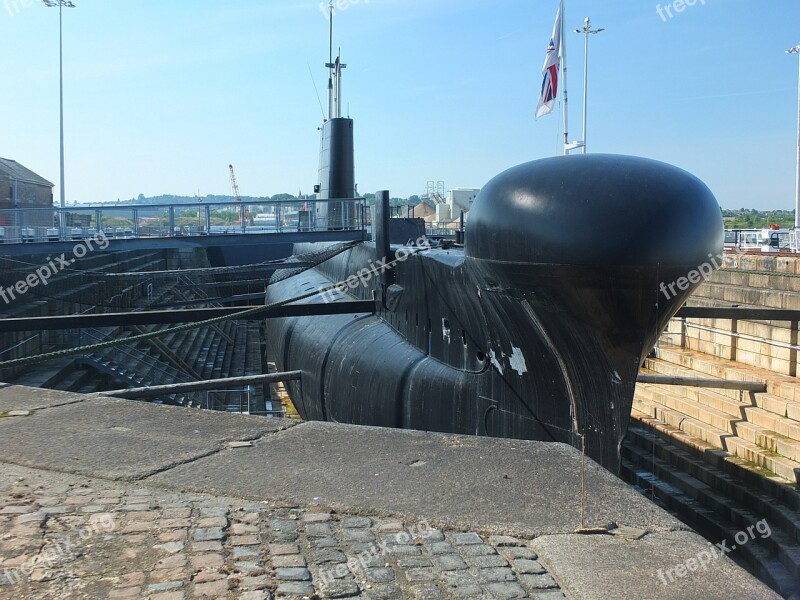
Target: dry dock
column 103, row 498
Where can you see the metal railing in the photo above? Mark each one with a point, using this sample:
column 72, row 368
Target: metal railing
column 214, row 387
column 120, row 221
column 443, row 228
column 231, row 400
column 772, row 240
column 794, row 240
column 792, row 317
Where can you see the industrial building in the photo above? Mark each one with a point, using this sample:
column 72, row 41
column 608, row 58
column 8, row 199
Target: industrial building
column 458, row 200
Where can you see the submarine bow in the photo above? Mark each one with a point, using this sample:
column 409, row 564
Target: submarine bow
column 573, row 251
column 536, row 329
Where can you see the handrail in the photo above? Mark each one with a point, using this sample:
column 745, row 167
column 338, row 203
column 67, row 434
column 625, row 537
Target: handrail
column 744, row 314
column 724, row 384
column 181, row 205
column 743, row 336
column 738, row 313
column 133, row 221
column 194, row 386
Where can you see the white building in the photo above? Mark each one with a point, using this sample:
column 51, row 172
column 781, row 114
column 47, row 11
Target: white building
column 443, row 213
column 459, row 199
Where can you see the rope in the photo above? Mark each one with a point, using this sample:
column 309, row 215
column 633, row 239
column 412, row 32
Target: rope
column 774, row 273
column 29, row 360
column 163, row 279
column 253, row 266
column 211, row 270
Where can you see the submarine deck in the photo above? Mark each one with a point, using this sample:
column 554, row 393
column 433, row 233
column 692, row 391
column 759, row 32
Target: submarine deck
column 225, row 505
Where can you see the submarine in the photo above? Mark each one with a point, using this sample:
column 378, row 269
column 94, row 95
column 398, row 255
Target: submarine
column 535, row 327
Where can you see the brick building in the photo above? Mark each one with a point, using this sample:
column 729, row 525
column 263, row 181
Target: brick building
column 21, row 188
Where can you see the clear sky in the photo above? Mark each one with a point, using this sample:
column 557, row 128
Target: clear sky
column 161, row 96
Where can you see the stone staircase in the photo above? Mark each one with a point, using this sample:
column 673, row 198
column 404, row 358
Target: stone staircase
column 763, row 429
column 720, row 499
column 724, row 460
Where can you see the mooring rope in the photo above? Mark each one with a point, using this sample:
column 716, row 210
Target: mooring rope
column 250, row 312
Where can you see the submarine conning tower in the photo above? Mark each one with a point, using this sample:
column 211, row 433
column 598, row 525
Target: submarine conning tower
column 336, row 162
column 336, row 174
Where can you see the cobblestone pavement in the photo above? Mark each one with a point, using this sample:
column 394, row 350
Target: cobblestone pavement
column 69, row 537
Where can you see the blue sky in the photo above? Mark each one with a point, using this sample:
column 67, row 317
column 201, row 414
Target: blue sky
column 161, row 96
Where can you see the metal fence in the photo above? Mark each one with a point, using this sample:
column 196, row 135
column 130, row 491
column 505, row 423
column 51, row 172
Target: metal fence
column 179, row 220
column 242, row 400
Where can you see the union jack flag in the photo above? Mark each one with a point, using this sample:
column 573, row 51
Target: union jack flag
column 551, row 69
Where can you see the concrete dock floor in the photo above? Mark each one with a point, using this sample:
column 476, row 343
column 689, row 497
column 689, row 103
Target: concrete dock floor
column 104, row 498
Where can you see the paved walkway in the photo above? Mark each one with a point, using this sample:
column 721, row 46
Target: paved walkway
column 72, row 537
column 103, row 498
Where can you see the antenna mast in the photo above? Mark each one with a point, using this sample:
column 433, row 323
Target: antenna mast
column 334, row 75
column 329, row 64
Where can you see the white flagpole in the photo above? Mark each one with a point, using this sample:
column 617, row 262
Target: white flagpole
column 564, row 78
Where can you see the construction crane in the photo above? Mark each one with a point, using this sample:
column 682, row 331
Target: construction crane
column 238, row 197
column 235, row 186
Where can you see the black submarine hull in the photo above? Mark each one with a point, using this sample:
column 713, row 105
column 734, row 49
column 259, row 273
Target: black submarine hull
column 535, row 330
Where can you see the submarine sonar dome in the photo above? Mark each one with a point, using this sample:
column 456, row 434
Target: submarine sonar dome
column 596, row 209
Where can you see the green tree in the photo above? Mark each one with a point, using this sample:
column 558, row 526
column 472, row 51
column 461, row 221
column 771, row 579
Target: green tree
column 283, row 198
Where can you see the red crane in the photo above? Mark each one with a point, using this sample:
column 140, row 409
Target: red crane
column 237, row 196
